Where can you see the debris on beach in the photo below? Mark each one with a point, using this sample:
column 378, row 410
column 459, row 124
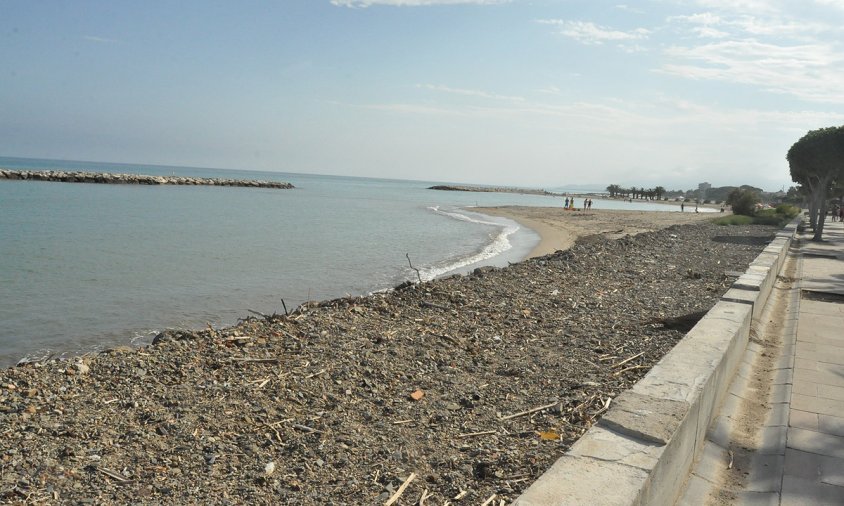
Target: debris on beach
column 459, row 389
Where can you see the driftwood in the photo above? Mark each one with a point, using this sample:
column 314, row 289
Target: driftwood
column 418, row 275
column 401, row 490
column 529, row 411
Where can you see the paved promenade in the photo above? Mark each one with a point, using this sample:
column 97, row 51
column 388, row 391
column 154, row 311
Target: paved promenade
column 813, row 468
column 797, row 455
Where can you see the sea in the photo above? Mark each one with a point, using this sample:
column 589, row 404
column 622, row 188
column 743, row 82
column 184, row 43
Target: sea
column 84, row 267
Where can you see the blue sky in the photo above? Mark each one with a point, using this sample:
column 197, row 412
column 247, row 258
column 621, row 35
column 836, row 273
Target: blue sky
column 540, row 93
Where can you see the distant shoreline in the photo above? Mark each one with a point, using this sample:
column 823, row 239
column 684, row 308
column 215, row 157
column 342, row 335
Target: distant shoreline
column 494, row 189
column 61, row 176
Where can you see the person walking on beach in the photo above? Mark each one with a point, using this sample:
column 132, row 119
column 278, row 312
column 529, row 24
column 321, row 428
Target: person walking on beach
column 566, row 205
column 682, row 206
column 590, row 204
column 585, row 202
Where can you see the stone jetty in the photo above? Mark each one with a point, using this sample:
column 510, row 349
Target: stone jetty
column 109, row 178
column 493, row 189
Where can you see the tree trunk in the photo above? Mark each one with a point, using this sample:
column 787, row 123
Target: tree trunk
column 820, row 204
column 821, row 219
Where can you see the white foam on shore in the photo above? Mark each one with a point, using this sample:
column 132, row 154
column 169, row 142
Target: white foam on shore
column 500, row 243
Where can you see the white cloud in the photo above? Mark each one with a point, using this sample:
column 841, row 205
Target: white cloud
column 808, row 71
column 470, row 93
column 412, row 3
column 587, row 32
column 627, row 8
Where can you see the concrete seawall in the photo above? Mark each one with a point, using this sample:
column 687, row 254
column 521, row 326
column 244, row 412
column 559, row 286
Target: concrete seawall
column 110, row 178
column 641, row 451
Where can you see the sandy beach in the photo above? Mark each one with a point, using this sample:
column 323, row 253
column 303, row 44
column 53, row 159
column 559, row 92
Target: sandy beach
column 559, row 229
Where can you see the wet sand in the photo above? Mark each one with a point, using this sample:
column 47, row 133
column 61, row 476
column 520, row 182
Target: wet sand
column 559, row 229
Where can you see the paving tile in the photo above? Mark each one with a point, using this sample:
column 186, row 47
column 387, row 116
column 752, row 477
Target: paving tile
column 802, row 464
column 831, row 392
column 832, row 471
column 765, row 473
column 835, row 369
column 816, row 442
column 696, row 492
column 803, row 363
column 780, row 393
column 824, row 377
column 803, row 348
column 805, row 387
column 772, row 440
column 713, row 459
column 803, row 420
column 783, row 376
column 818, row 405
column 800, row 492
column 778, row 415
column 758, row 498
column 829, row 424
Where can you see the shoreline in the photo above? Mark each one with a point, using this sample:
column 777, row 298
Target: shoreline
column 427, row 380
column 559, row 229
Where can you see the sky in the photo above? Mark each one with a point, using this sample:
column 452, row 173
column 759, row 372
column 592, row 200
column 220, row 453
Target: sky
column 531, row 93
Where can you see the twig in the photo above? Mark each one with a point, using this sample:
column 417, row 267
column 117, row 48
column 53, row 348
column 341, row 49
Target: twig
column 255, row 360
column 461, row 495
column 593, row 363
column 262, row 315
column 309, row 376
column 114, row 475
column 616, row 373
column 400, row 422
column 730, row 465
column 447, row 338
column 425, row 495
column 606, row 407
column 534, row 410
column 471, row 434
column 285, row 308
column 401, row 490
column 634, row 357
column 418, row 275
column 306, row 428
column 491, row 498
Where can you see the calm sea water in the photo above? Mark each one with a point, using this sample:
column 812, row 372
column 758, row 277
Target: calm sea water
column 85, row 266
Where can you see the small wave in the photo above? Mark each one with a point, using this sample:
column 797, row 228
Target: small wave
column 499, row 244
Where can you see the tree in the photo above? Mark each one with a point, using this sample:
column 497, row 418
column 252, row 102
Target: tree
column 743, row 201
column 659, row 190
column 614, row 190
column 816, row 161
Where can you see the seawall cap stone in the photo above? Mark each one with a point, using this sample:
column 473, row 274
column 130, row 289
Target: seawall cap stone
column 749, row 281
column 651, row 419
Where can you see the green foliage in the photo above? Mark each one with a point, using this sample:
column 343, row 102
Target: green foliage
column 762, row 217
column 788, row 210
column 735, row 219
column 743, row 201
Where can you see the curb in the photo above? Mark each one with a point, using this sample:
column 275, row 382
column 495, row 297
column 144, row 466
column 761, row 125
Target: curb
column 643, row 448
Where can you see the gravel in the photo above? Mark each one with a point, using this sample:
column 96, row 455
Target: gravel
column 462, row 388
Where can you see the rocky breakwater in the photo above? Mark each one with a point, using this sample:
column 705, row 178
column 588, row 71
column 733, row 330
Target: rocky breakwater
column 494, row 189
column 110, row 178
